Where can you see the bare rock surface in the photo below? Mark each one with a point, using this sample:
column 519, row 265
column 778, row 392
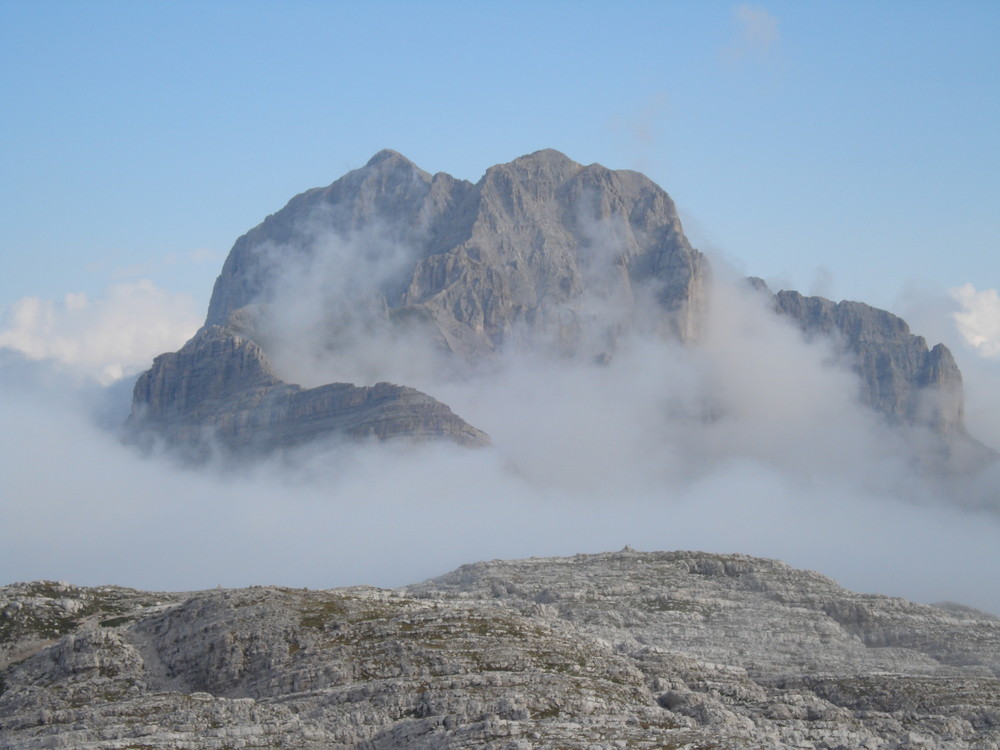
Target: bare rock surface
column 486, row 262
column 219, row 390
column 542, row 253
column 912, row 385
column 904, row 379
column 462, row 268
column 616, row 650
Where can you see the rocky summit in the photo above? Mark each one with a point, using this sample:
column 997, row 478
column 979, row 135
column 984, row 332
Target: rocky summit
column 541, row 253
column 464, row 269
column 615, row 650
column 486, row 262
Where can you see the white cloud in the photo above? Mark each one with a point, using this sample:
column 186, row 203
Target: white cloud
column 86, row 508
column 750, row 442
column 105, row 338
column 756, row 33
column 979, row 319
column 934, row 313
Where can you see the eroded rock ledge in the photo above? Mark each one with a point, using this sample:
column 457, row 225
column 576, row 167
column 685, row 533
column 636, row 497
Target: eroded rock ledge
column 219, row 391
column 629, row 649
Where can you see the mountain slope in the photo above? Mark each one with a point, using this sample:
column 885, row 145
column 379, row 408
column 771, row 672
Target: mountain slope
column 390, row 266
column 218, row 391
column 481, row 261
column 904, row 379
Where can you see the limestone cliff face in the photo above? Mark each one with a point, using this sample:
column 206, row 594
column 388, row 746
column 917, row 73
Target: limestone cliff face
column 902, row 378
column 615, row 650
column 480, row 266
column 218, row 390
column 487, row 262
column 541, row 252
column 917, row 388
column 389, row 191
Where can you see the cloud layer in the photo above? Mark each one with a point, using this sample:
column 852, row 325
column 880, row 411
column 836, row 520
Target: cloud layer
column 752, row 442
column 979, row 319
column 756, row 34
column 105, row 338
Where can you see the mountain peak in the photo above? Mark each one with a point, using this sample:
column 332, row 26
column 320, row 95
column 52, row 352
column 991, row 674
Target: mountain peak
column 387, row 155
column 548, row 161
column 512, row 260
column 547, row 167
column 546, row 155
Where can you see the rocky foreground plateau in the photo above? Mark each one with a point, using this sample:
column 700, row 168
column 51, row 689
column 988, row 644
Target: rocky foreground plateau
column 615, row 650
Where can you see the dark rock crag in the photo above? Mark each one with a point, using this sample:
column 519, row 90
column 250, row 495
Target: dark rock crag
column 218, row 389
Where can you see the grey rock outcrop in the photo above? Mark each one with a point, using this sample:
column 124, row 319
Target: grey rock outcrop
column 629, row 649
column 219, row 390
column 469, row 268
column 902, row 378
column 486, row 262
column 541, row 253
column 913, row 386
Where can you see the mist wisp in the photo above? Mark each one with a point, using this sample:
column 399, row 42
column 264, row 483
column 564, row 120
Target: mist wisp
column 752, row 440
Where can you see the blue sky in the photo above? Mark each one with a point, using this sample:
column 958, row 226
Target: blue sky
column 843, row 149
column 846, row 148
column 850, row 149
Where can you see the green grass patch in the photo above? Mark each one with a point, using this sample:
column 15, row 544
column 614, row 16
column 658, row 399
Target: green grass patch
column 114, row 622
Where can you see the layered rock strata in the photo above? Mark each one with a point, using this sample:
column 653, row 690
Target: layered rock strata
column 637, row 650
column 219, row 391
column 541, row 253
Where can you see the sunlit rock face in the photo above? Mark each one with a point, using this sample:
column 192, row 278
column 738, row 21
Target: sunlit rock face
column 483, row 262
column 391, row 269
column 628, row 649
column 390, row 253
